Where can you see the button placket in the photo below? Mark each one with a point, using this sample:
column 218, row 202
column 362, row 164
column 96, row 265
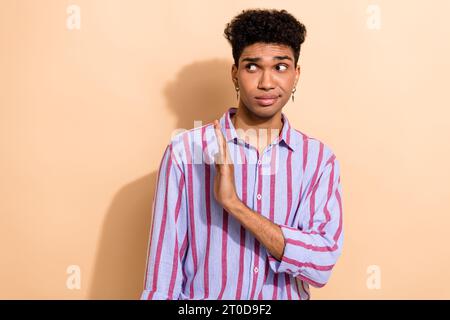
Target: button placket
column 258, row 169
column 254, row 271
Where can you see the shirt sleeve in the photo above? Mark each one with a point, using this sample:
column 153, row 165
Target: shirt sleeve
column 313, row 247
column 163, row 277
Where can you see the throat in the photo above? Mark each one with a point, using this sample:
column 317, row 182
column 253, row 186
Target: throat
column 258, row 137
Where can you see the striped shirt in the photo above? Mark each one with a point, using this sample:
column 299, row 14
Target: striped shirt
column 197, row 250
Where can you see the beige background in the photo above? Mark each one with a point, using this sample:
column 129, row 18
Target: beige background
column 85, row 116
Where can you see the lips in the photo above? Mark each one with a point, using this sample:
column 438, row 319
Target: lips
column 266, row 100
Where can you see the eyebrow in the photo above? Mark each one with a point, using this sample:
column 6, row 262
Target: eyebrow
column 256, row 59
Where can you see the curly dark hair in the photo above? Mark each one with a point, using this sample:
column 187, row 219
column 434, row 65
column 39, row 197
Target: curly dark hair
column 267, row 26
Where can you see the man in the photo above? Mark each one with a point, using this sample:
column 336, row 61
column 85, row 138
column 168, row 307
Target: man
column 241, row 212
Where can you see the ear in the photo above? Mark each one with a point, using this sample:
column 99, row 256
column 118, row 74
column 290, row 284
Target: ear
column 297, row 74
column 234, row 71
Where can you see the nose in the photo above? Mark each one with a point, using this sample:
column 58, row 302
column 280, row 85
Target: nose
column 266, row 81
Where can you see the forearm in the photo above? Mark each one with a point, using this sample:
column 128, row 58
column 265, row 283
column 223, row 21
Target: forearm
column 265, row 231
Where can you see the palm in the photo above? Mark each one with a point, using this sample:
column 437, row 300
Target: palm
column 224, row 187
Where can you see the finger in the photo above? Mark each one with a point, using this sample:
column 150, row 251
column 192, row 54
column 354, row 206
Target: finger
column 223, row 146
column 217, row 161
column 220, row 141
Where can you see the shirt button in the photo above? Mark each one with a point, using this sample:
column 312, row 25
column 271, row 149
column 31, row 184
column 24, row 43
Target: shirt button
column 256, row 270
column 259, row 162
column 258, row 196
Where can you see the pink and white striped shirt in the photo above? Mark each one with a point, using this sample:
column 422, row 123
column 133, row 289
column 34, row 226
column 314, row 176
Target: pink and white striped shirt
column 199, row 251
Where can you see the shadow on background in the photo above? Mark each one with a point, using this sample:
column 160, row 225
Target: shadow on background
column 202, row 91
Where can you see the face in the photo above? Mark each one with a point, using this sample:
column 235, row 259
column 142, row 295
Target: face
column 266, row 78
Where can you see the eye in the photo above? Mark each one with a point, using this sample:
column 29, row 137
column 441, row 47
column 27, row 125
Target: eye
column 281, row 66
column 248, row 67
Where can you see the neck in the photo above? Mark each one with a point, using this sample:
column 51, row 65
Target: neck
column 266, row 129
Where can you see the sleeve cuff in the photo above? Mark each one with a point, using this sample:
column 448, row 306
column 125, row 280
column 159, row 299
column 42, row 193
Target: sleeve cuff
column 289, row 251
column 287, row 264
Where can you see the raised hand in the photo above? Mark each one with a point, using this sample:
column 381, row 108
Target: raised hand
column 224, row 187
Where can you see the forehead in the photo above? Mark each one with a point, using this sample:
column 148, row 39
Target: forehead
column 266, row 51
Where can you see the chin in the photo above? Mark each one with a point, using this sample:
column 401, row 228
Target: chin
column 265, row 111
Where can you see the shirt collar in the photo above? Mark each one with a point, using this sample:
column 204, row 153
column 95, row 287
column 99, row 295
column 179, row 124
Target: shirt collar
column 286, row 136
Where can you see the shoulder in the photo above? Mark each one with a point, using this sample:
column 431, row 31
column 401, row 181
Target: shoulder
column 188, row 145
column 313, row 149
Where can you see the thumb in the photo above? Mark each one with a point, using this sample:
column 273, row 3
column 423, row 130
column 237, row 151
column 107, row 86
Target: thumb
column 217, row 160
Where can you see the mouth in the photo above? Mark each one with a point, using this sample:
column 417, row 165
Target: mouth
column 266, row 101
